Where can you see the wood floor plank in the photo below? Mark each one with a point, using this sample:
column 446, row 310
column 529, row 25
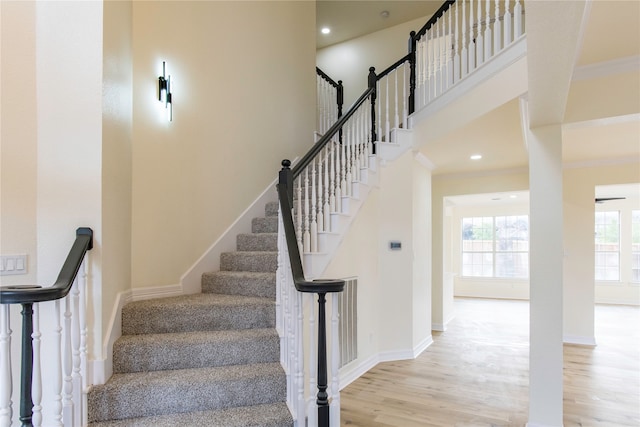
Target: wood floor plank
column 477, row 374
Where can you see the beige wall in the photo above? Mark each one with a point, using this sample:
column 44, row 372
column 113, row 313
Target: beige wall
column 18, row 136
column 237, row 113
column 116, row 155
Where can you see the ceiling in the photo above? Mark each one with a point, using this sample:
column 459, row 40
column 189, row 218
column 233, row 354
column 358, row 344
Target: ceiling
column 612, row 32
column 349, row 19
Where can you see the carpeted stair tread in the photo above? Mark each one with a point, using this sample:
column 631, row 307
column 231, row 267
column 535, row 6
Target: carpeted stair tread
column 257, row 242
column 187, row 313
column 269, row 415
column 250, row 283
column 153, row 352
column 265, row 261
column 144, row 394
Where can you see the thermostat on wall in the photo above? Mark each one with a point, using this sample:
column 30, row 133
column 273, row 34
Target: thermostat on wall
column 395, row 245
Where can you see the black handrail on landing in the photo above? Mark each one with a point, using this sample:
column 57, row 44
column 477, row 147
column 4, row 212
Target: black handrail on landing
column 29, row 294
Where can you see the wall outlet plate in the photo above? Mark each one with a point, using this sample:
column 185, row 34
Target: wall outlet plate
column 13, row 264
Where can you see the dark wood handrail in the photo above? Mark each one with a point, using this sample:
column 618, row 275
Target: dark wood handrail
column 398, row 63
column 327, row 78
column 62, row 285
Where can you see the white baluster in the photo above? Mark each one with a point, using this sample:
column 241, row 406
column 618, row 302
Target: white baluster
column 507, row 24
column 397, row 112
column 442, row 45
column 82, row 286
column 75, row 340
column 313, row 361
column 456, row 45
column 332, row 176
column 517, row 18
column 6, row 382
column 464, row 54
column 299, row 231
column 338, row 175
column 306, row 236
column 327, row 176
column 405, row 111
column 497, row 28
column 479, row 37
column 472, row 41
column 429, row 67
column 57, row 361
column 487, row 32
column 450, row 48
column 300, row 403
column 348, row 143
column 36, row 381
column 387, row 122
column 320, row 204
column 313, row 225
column 335, row 361
column 343, row 166
column 67, row 360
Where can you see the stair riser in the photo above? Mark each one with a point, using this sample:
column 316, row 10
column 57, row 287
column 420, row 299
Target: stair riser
column 264, row 225
column 257, row 242
column 134, row 355
column 143, row 399
column 221, row 283
column 249, row 261
column 201, row 318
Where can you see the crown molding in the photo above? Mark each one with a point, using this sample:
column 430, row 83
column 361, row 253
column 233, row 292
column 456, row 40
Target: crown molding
column 607, row 68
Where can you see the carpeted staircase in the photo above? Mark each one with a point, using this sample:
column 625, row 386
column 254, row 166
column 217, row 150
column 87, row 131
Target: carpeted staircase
column 209, row 359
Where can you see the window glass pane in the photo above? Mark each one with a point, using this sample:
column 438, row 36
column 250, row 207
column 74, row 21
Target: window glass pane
column 607, row 245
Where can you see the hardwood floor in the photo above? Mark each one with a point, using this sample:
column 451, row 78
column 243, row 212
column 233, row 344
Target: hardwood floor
column 476, row 374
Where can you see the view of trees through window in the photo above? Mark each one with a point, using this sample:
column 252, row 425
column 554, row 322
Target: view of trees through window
column 607, row 245
column 495, row 246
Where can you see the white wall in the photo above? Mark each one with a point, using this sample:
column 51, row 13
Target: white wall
column 244, row 98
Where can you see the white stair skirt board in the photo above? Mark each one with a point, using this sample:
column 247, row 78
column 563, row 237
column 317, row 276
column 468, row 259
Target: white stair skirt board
column 402, row 140
column 316, row 263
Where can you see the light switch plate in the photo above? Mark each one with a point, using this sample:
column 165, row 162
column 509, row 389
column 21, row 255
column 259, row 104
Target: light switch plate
column 13, row 264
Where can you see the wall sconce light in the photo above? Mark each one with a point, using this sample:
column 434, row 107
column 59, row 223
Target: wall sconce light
column 164, row 92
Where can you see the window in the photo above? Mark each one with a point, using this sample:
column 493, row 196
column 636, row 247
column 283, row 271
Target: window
column 607, row 263
column 495, row 246
column 635, row 246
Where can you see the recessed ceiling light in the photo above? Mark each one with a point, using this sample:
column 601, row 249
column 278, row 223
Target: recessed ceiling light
column 513, row 196
column 476, row 157
column 384, row 14
column 325, row 30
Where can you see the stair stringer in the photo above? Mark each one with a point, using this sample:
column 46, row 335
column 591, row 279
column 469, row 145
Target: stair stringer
column 328, row 242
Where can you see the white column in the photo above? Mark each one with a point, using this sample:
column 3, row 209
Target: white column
column 546, row 258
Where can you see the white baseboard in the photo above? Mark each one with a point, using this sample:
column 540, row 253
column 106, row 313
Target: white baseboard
column 579, row 340
column 439, row 327
column 351, row 373
column 422, row 346
column 541, row 425
column 355, row 370
column 140, row 294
